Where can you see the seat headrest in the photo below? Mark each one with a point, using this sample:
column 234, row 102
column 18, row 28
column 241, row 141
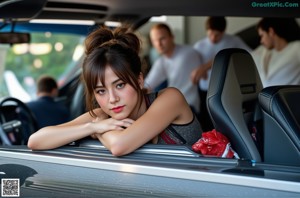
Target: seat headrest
column 281, row 100
column 235, row 65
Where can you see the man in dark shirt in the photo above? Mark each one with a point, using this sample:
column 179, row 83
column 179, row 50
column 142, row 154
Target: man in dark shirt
column 45, row 108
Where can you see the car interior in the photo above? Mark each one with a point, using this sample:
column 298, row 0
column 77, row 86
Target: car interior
column 261, row 123
column 238, row 105
column 281, row 117
column 232, row 99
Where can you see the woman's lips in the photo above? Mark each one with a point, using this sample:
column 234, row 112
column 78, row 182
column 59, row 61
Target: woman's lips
column 118, row 109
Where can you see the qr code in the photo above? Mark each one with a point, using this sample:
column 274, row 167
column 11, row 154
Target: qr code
column 10, row 187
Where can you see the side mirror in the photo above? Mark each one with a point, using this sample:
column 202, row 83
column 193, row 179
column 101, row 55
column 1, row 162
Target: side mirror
column 14, row 37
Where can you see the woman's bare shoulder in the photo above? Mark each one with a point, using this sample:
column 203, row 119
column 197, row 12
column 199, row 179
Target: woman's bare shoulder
column 171, row 102
column 170, row 97
column 171, row 92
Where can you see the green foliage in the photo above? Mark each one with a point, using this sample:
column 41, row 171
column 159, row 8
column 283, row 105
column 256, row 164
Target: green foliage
column 53, row 63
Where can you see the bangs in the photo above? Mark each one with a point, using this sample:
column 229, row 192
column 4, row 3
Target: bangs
column 97, row 74
column 124, row 72
column 100, row 59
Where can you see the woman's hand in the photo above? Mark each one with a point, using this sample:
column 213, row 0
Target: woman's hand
column 110, row 124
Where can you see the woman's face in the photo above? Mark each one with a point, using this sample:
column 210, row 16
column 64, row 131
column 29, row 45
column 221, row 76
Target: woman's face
column 116, row 98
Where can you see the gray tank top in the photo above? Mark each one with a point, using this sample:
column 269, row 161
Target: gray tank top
column 187, row 133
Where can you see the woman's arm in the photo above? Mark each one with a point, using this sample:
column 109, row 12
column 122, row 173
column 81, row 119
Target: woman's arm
column 55, row 136
column 169, row 107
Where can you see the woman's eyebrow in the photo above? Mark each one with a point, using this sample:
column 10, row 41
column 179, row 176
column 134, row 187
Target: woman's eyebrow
column 114, row 82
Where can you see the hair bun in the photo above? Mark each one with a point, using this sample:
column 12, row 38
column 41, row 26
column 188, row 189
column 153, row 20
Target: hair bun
column 103, row 36
column 96, row 38
column 128, row 38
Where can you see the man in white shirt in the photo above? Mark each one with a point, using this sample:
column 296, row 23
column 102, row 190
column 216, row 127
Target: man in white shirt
column 278, row 58
column 174, row 65
column 208, row 47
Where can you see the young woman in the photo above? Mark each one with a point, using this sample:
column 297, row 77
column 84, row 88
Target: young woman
column 121, row 115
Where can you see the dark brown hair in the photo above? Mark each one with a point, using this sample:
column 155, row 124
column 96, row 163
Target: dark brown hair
column 118, row 49
column 216, row 23
column 46, row 84
column 286, row 28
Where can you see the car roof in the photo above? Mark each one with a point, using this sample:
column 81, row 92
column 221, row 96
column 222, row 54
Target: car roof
column 137, row 12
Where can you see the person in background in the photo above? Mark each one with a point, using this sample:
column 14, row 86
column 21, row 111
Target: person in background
column 46, row 110
column 121, row 114
column 216, row 40
column 278, row 58
column 174, row 65
column 152, row 56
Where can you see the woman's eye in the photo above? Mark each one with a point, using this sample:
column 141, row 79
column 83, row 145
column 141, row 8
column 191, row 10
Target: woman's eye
column 120, row 85
column 101, row 91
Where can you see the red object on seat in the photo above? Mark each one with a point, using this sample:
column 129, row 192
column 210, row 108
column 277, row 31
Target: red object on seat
column 214, row 143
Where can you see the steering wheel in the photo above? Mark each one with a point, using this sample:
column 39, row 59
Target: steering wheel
column 17, row 123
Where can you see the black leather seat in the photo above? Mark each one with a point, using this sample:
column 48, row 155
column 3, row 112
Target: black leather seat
column 77, row 106
column 281, row 114
column 232, row 98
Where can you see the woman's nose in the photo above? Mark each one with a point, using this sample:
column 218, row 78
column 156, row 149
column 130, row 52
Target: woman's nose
column 113, row 97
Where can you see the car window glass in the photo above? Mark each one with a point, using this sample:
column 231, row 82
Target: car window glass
column 47, row 53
